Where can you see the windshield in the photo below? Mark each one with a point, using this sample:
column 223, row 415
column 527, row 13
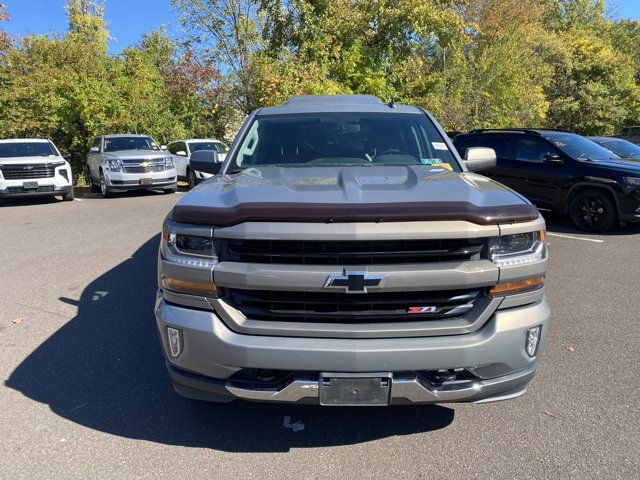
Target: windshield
column 27, row 149
column 215, row 146
column 116, row 144
column 343, row 139
column 579, row 147
column 622, row 148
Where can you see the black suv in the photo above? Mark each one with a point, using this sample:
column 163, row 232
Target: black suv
column 563, row 172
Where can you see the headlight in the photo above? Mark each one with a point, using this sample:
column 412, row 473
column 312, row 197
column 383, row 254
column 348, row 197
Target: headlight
column 187, row 248
column 517, row 249
column 114, row 165
column 168, row 163
column 634, row 181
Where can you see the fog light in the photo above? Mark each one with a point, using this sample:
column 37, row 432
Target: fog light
column 533, row 338
column 175, row 341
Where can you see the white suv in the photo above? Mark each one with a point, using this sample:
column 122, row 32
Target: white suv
column 32, row 167
column 181, row 151
column 129, row 162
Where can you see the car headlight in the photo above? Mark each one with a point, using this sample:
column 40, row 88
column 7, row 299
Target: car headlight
column 517, row 249
column 634, row 181
column 168, row 163
column 114, row 165
column 186, row 247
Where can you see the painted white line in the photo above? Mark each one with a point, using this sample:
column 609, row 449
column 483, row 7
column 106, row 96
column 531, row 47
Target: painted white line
column 595, row 240
column 78, row 200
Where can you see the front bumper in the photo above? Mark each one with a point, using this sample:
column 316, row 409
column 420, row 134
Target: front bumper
column 212, row 353
column 131, row 181
column 41, row 191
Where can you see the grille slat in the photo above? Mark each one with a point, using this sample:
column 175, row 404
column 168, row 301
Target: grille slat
column 27, row 171
column 347, row 308
column 385, row 252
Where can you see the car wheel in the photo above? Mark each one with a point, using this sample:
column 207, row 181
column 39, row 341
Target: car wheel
column 92, row 186
column 69, row 196
column 191, row 178
column 104, row 189
column 593, row 211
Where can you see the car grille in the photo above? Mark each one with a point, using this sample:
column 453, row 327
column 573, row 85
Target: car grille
column 376, row 252
column 135, row 166
column 150, row 169
column 26, row 171
column 352, row 309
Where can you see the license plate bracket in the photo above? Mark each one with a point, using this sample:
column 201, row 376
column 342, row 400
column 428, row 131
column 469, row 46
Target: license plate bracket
column 30, row 185
column 146, row 181
column 357, row 389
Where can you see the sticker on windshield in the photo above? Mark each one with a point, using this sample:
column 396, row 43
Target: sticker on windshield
column 439, row 145
column 430, row 161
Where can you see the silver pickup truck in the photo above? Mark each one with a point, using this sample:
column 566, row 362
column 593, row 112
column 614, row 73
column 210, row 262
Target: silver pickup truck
column 118, row 163
column 346, row 255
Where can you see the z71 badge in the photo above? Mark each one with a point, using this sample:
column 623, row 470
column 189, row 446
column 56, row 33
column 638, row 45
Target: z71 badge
column 422, row 310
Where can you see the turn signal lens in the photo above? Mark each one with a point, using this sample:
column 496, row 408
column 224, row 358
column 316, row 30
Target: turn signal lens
column 517, row 287
column 183, row 286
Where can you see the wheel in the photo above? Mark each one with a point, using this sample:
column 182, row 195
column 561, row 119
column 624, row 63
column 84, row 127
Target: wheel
column 191, row 178
column 169, row 190
column 92, row 186
column 106, row 192
column 593, row 211
column 69, row 196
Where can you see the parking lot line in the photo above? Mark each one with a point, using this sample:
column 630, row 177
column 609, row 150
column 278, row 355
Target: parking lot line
column 595, row 240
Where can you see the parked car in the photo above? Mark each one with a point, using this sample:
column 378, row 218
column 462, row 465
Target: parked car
column 347, row 256
column 31, row 167
column 117, row 163
column 622, row 148
column 631, row 134
column 563, row 172
column 181, row 151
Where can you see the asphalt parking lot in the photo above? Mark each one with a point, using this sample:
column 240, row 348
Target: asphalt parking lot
column 84, row 392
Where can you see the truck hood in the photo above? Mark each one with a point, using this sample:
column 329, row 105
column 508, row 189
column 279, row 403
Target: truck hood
column 137, row 154
column 351, row 194
column 32, row 160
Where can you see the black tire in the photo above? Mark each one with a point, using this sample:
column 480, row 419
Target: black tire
column 192, row 180
column 104, row 189
column 170, row 190
column 593, row 211
column 69, row 196
column 92, row 186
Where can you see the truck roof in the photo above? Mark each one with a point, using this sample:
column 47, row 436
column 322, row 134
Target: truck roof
column 111, row 135
column 336, row 103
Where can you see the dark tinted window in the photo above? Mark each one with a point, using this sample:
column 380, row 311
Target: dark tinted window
column 579, row 147
column 215, row 146
column 503, row 145
column 340, row 139
column 27, row 149
column 531, row 149
column 622, row 148
column 115, row 144
column 172, row 148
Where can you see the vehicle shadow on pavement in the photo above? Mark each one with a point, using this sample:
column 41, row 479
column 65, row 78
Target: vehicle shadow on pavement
column 104, row 370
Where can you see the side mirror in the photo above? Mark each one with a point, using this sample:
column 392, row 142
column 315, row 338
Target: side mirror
column 181, row 153
column 205, row 161
column 163, row 147
column 480, row 158
column 66, row 155
column 94, row 150
column 552, row 158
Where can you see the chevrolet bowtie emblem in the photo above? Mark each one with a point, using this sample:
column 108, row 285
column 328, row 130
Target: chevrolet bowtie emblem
column 144, row 164
column 354, row 282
